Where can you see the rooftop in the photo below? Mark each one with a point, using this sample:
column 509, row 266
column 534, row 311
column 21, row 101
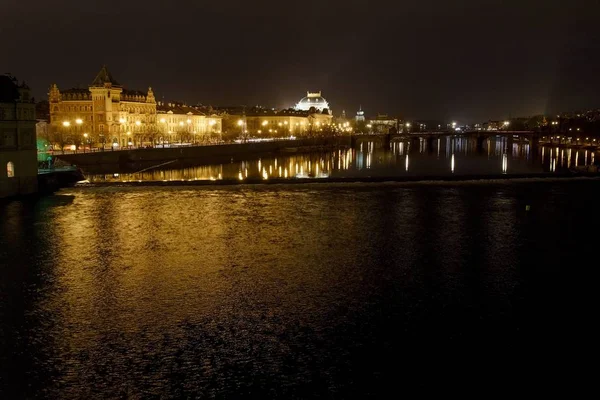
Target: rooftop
column 103, row 77
column 177, row 109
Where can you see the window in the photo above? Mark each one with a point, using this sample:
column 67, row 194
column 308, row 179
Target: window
column 10, row 169
column 9, row 138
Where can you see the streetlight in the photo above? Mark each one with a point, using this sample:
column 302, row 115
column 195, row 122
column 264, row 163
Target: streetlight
column 85, row 135
column 66, row 124
column 241, row 125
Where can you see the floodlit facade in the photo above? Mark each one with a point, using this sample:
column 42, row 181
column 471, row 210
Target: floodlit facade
column 382, row 123
column 103, row 114
column 18, row 154
column 179, row 123
column 261, row 123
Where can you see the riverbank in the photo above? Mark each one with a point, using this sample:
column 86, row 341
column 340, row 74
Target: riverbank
column 204, row 154
column 349, row 180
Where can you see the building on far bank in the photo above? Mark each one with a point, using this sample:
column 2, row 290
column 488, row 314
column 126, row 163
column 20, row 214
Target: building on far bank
column 264, row 123
column 18, row 154
column 104, row 113
column 382, row 123
column 178, row 123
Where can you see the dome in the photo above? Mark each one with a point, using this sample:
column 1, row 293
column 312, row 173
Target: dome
column 312, row 100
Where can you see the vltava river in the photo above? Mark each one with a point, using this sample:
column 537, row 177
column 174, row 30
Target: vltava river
column 439, row 158
column 286, row 291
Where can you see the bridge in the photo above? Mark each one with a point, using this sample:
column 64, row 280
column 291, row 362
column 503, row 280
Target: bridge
column 530, row 137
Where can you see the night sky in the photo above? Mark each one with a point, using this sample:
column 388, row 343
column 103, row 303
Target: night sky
column 463, row 60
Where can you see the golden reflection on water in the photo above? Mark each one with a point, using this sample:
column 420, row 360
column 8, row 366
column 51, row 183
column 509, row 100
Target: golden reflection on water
column 372, row 156
column 153, row 288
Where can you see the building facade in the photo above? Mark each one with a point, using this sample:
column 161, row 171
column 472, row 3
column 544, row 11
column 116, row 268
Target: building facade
column 104, row 114
column 383, row 124
column 263, row 123
column 18, row 154
column 178, row 123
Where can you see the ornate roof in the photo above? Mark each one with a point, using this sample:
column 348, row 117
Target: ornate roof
column 312, row 100
column 76, row 90
column 104, row 77
column 178, row 109
column 128, row 92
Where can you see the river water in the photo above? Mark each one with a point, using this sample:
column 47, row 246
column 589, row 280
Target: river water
column 292, row 291
column 439, row 158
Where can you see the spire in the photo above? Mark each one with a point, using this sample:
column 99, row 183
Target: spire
column 150, row 97
column 104, row 77
column 54, row 94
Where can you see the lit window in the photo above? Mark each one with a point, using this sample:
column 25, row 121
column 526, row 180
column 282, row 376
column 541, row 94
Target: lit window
column 10, row 169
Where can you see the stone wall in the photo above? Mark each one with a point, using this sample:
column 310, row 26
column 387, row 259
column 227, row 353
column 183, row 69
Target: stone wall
column 25, row 166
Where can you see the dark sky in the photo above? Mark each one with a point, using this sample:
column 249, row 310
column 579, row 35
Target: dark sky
column 465, row 60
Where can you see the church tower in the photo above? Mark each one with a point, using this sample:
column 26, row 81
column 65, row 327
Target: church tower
column 360, row 115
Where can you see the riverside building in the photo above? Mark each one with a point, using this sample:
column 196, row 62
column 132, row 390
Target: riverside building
column 18, row 154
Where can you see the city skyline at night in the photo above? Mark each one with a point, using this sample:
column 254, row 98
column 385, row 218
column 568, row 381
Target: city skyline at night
column 466, row 61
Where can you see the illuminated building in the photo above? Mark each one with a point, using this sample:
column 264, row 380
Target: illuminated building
column 106, row 111
column 18, row 154
column 383, row 123
column 178, row 123
column 284, row 123
column 312, row 100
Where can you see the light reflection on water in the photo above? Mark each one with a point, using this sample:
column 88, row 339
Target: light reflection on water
column 289, row 291
column 440, row 157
